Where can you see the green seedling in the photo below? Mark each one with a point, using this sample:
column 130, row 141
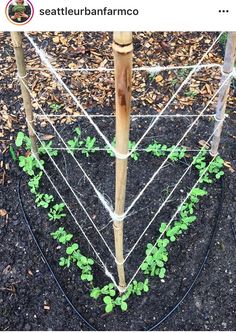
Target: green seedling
column 62, row 236
column 156, row 149
column 223, row 39
column 82, row 262
column 89, row 146
column 46, row 148
column 111, row 300
column 191, row 93
column 12, row 153
column 75, row 143
column 156, row 258
column 106, row 290
column 56, row 212
column 34, row 182
column 135, row 155
column 55, row 107
column 176, row 153
column 43, row 200
column 23, row 140
column 29, row 164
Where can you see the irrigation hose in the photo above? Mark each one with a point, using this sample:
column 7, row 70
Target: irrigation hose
column 216, row 220
column 165, row 317
column 46, row 261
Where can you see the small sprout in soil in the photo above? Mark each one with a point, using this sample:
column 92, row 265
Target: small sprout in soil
column 46, row 148
column 156, row 258
column 29, row 164
column 43, row 200
column 135, row 155
column 82, row 262
column 62, row 236
column 89, row 146
column 56, row 212
column 56, row 107
column 108, row 149
column 108, row 289
column 12, row 153
column 191, row 93
column 23, row 139
column 34, row 182
column 75, row 142
column 156, row 149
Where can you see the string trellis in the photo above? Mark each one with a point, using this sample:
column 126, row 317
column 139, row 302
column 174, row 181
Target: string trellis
column 120, row 217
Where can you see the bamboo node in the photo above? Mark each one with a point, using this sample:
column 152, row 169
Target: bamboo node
column 22, row 77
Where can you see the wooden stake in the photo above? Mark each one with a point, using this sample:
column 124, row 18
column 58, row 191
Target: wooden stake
column 123, row 52
column 20, row 63
column 228, row 66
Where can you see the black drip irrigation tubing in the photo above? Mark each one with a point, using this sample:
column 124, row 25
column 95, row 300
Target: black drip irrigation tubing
column 165, row 317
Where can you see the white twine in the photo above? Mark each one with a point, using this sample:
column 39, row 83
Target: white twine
column 75, row 195
column 149, row 69
column 173, row 217
column 170, row 194
column 195, row 68
column 48, row 64
column 98, row 193
column 109, row 274
column 45, row 60
column 174, row 149
column 51, row 115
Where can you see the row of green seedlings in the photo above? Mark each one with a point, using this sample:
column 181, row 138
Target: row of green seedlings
column 89, row 146
column 156, row 254
column 73, row 255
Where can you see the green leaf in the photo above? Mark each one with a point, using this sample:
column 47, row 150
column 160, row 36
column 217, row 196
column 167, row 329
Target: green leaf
column 109, row 308
column 107, row 300
column 124, row 306
column 19, row 139
column 160, row 263
column 95, row 293
column 144, row 266
column 162, row 273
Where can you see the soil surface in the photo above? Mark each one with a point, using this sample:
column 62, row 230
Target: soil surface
column 29, row 297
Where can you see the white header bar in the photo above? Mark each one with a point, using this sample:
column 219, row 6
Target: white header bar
column 125, row 15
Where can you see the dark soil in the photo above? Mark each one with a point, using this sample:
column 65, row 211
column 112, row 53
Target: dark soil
column 26, row 285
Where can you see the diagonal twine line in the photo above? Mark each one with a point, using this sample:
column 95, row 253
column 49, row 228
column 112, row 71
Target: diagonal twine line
column 45, row 60
column 75, row 195
column 173, row 217
column 176, row 146
column 176, row 185
column 196, row 67
column 99, row 194
column 73, row 216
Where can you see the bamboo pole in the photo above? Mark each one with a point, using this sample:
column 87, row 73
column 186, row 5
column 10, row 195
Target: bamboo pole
column 123, row 52
column 228, row 66
column 20, row 63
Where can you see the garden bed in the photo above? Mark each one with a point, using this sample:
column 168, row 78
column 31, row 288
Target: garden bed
column 29, row 297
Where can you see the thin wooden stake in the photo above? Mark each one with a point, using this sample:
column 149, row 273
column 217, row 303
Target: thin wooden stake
column 228, row 66
column 20, row 63
column 123, row 52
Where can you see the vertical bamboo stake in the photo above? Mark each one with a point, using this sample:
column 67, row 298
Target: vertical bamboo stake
column 20, row 63
column 123, row 52
column 228, row 66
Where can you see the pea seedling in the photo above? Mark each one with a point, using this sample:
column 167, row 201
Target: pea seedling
column 56, row 212
column 62, row 236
